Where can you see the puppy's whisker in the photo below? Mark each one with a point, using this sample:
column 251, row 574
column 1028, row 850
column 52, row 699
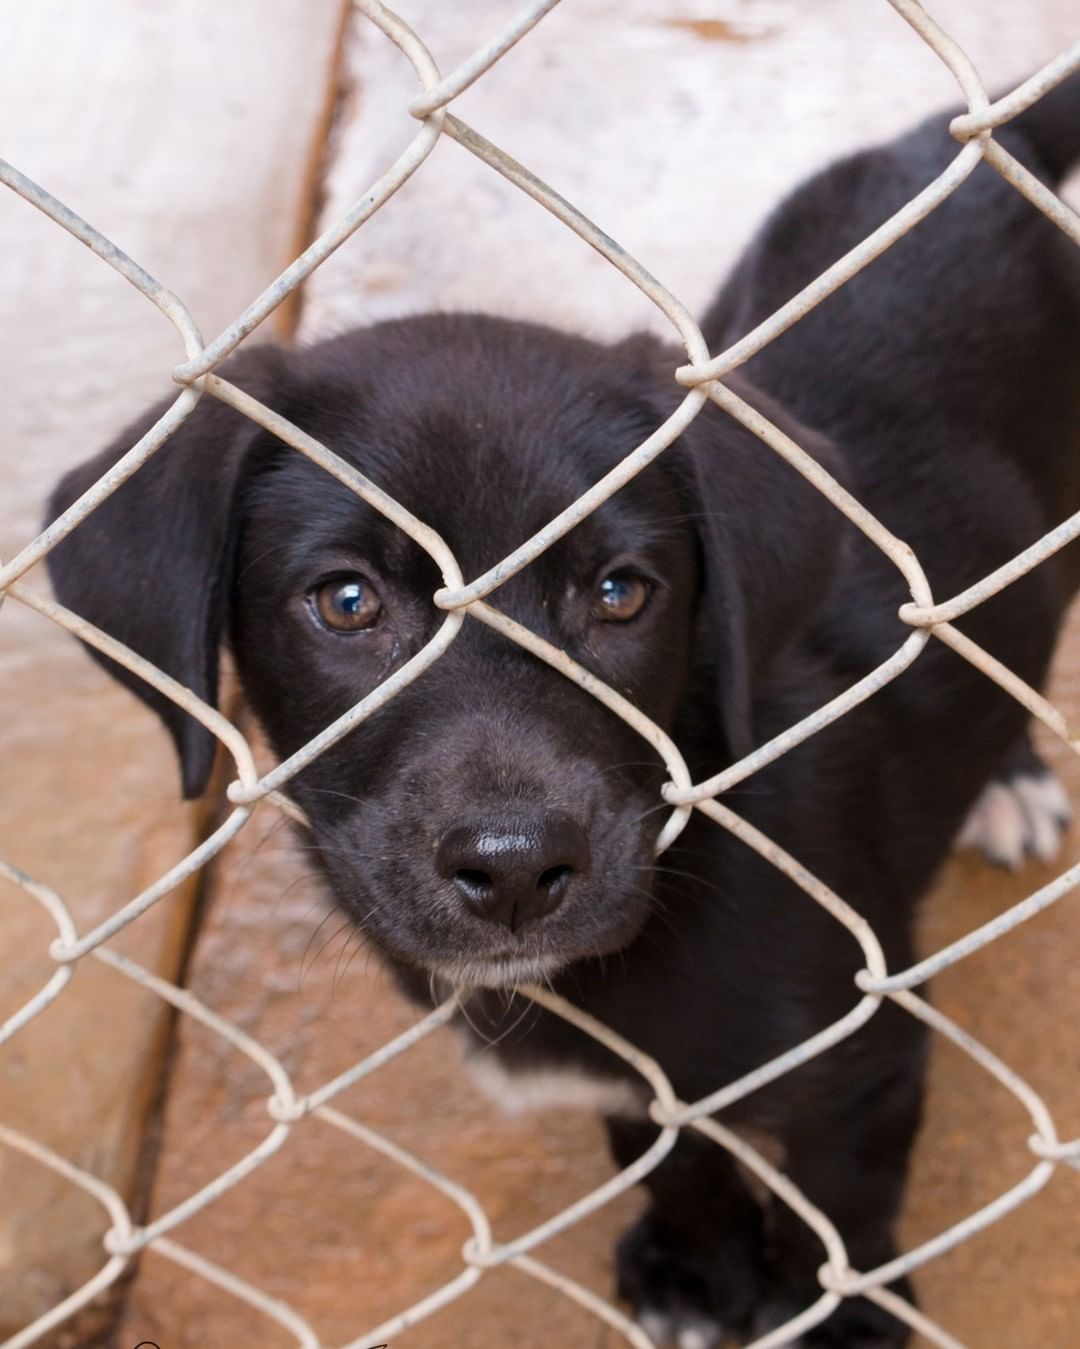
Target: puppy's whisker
column 337, row 932
column 527, row 1008
column 362, row 943
column 659, row 869
column 658, row 909
column 271, row 551
column 330, row 791
column 304, row 968
column 480, row 1035
column 655, row 764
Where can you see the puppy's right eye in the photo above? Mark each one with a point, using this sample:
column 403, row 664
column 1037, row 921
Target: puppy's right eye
column 346, row 604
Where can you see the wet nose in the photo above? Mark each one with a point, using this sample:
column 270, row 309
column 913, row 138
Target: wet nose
column 514, row 872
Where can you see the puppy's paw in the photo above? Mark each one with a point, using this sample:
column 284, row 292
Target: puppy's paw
column 1024, row 813
column 686, row 1292
column 856, row 1323
column 680, row 1330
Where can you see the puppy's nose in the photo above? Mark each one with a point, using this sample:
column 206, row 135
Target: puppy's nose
column 514, row 873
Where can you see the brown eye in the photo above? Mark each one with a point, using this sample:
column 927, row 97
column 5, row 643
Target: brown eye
column 346, row 604
column 620, row 596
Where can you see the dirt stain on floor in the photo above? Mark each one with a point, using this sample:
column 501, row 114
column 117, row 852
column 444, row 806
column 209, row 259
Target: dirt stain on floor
column 720, row 30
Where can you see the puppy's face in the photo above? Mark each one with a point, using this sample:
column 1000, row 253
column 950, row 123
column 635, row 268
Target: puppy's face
column 492, row 822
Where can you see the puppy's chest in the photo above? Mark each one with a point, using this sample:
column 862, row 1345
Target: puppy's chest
column 554, row 1087
column 572, row 1087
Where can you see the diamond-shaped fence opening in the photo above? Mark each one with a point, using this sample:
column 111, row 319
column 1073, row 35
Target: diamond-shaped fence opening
column 930, row 618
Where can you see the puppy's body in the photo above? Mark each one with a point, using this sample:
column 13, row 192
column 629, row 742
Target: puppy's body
column 940, row 385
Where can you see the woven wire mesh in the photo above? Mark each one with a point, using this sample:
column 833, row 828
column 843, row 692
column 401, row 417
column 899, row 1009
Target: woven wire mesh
column 929, row 618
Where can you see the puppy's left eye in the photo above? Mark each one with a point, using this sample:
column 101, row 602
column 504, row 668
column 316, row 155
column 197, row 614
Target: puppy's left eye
column 346, row 604
column 620, row 596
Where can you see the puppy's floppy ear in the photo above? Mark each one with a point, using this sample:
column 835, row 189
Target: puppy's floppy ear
column 771, row 545
column 152, row 566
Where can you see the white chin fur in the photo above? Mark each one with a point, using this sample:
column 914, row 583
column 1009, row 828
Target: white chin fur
column 466, row 973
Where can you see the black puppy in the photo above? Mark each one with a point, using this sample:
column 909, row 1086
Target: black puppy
column 494, row 823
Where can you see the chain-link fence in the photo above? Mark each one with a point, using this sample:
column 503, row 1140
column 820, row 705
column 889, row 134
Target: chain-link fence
column 930, row 618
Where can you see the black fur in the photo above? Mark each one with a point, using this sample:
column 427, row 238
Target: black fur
column 942, row 384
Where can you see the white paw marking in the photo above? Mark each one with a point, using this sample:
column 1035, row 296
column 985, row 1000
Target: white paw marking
column 656, row 1326
column 1022, row 817
column 684, row 1332
column 699, row 1334
column 1048, row 810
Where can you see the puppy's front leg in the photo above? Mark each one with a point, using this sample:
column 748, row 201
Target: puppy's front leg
column 852, row 1163
column 693, row 1266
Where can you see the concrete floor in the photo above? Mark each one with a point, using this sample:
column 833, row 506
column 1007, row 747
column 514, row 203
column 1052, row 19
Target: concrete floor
column 191, row 145
column 675, row 126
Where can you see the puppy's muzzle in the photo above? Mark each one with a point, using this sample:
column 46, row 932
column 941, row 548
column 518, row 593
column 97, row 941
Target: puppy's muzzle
column 514, row 871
